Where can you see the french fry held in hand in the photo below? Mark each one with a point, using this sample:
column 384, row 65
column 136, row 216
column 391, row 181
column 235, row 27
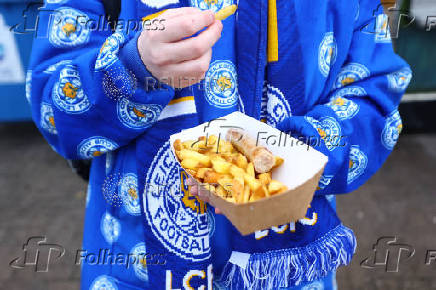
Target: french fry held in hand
column 227, row 171
column 226, row 12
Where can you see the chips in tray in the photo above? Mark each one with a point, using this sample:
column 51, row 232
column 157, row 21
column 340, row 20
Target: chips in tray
column 226, row 171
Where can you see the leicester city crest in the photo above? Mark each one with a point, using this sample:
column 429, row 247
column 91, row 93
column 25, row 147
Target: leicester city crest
column 129, row 193
column 95, row 146
column 328, row 51
column 110, row 228
column 140, row 265
column 108, row 51
column 104, row 282
column 328, row 129
column 47, row 119
column 69, row 28
column 221, row 84
column 351, row 73
column 357, row 163
column 136, row 115
column 391, row 131
column 344, row 107
column 399, row 81
column 214, row 5
column 68, row 94
column 178, row 219
column 275, row 108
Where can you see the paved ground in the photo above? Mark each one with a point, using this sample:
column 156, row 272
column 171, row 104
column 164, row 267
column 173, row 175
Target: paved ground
column 39, row 196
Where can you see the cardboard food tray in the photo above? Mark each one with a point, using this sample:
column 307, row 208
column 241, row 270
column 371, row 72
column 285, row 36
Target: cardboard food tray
column 300, row 171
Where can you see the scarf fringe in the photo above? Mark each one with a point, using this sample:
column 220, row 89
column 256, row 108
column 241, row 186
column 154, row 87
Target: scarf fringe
column 290, row 267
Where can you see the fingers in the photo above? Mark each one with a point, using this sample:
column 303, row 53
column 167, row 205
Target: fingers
column 171, row 55
column 194, row 47
column 186, row 73
column 193, row 186
column 197, row 190
column 203, row 194
column 193, row 190
column 191, row 181
column 184, row 25
column 171, row 13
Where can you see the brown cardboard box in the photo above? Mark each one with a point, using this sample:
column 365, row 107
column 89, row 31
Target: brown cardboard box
column 301, row 172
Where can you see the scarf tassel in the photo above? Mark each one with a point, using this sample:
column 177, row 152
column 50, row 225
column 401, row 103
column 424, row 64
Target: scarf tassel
column 291, row 267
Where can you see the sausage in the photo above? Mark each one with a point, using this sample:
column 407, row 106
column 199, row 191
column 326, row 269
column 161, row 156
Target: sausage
column 263, row 160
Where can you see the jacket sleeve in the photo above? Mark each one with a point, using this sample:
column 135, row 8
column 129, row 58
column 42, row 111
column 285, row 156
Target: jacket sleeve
column 89, row 90
column 359, row 124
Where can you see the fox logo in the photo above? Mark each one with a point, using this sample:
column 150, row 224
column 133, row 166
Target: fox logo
column 339, row 102
column 224, row 83
column 322, row 133
column 132, row 192
column 68, row 29
column 138, row 113
column 69, row 90
column 51, row 120
column 347, row 81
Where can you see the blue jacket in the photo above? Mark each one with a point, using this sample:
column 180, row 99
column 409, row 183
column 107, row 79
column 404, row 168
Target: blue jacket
column 314, row 69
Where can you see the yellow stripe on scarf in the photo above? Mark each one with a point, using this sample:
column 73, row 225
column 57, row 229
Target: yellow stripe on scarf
column 273, row 37
column 182, row 99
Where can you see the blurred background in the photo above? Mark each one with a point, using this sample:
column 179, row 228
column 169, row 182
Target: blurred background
column 394, row 213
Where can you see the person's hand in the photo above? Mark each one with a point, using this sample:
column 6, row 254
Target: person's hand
column 171, row 55
column 200, row 192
